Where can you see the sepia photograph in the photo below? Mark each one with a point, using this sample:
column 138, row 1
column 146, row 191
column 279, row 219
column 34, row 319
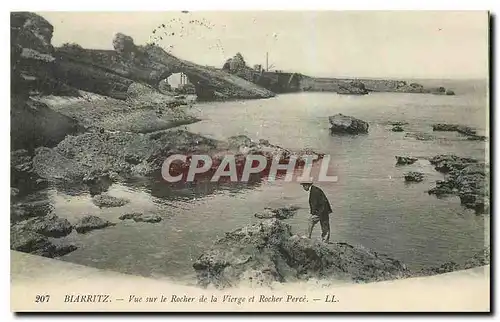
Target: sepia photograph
column 250, row 161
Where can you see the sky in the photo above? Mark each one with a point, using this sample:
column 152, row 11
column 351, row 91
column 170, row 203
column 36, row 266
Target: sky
column 404, row 44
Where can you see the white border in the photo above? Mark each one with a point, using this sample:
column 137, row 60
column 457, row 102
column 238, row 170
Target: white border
column 149, row 5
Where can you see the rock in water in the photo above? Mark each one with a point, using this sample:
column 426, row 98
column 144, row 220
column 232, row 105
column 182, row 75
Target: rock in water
column 400, row 160
column 34, row 243
column 463, row 129
column 139, row 217
column 50, row 226
column 420, row 136
column 347, row 124
column 280, row 213
column 151, row 218
column 107, row 201
column 267, row 252
column 466, row 177
column 397, row 128
column 90, row 222
column 414, row 176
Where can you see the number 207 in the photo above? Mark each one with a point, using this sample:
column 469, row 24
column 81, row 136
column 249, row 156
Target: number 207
column 42, row 298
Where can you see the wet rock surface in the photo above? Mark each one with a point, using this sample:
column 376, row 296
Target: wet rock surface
column 279, row 213
column 404, row 160
column 465, row 177
column 267, row 252
column 90, row 222
column 414, row 176
column 340, row 123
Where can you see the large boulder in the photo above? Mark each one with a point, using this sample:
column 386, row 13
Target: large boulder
column 267, row 252
column 340, row 123
column 32, row 31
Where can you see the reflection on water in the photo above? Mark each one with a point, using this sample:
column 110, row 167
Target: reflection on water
column 372, row 205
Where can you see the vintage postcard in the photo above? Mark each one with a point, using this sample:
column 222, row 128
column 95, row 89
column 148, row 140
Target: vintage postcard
column 257, row 161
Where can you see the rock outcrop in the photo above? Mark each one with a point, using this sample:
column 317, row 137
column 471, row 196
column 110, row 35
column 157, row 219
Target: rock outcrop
column 414, row 176
column 267, row 252
column 50, row 226
column 118, row 155
column 402, row 160
column 463, row 129
column 28, row 241
column 466, row 177
column 107, row 201
column 34, row 124
column 420, row 136
column 347, row 124
column 90, row 222
column 279, row 213
column 32, row 57
column 397, row 128
column 468, row 131
column 352, row 88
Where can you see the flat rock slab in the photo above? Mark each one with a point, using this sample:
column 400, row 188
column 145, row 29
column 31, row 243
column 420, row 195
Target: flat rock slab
column 91, row 222
column 139, row 217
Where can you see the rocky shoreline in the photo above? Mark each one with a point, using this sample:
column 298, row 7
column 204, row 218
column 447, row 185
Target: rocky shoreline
column 86, row 119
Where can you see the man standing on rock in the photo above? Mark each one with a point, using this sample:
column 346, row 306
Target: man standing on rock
column 320, row 210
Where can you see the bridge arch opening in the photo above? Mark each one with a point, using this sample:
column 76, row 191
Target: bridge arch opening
column 177, row 83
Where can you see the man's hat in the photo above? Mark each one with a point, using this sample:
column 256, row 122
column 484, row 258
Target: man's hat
column 307, row 182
